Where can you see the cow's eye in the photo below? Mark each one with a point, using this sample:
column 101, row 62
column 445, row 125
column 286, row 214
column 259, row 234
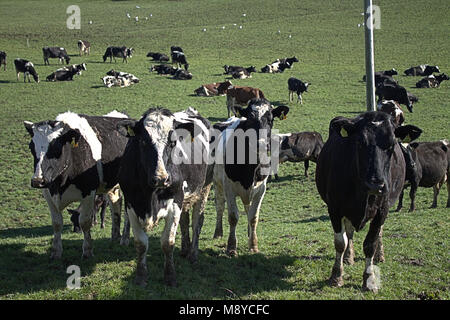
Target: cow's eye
column 172, row 143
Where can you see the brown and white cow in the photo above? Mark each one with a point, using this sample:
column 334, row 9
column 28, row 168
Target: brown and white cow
column 393, row 108
column 238, row 95
column 84, row 47
column 210, row 89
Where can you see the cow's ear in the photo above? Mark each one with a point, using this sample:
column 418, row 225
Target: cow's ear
column 127, row 128
column 188, row 126
column 408, row 133
column 73, row 137
column 29, row 126
column 280, row 112
column 342, row 126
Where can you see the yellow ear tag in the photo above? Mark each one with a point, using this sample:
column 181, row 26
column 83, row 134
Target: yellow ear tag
column 283, row 117
column 192, row 139
column 407, row 139
column 344, row 133
column 73, row 143
column 130, row 132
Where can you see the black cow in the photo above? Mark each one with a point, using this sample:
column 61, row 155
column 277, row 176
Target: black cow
column 432, row 81
column 62, row 75
column 299, row 147
column 432, row 161
column 84, row 47
column 394, row 92
column 163, row 69
column 359, row 175
column 181, row 74
column 27, row 68
column 288, row 62
column 388, row 73
column 118, row 52
column 158, row 183
column 297, row 86
column 76, row 157
column 3, row 60
column 421, row 70
column 55, row 52
column 156, row 56
column 242, row 167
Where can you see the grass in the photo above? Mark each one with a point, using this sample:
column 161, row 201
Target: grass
column 295, row 234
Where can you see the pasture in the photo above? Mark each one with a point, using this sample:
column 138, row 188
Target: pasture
column 295, row 234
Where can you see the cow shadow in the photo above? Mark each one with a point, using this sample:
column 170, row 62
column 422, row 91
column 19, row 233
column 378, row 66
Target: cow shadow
column 97, row 86
column 27, row 269
column 279, row 103
column 216, row 119
column 322, row 218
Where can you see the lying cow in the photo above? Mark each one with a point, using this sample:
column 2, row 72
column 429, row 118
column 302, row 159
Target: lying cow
column 298, row 87
column 275, row 67
column 84, row 47
column 243, row 73
column 129, row 76
column 156, row 56
column 27, row 68
column 433, row 170
column 236, row 69
column 237, row 95
column 359, row 175
column 181, row 74
column 76, row 157
column 3, row 60
column 299, row 147
column 55, row 52
column 239, row 170
column 210, row 89
column 62, row 75
column 118, row 52
column 163, row 69
column 388, row 73
column 155, row 187
column 78, row 68
column 394, row 92
column 432, row 81
column 421, row 70
column 124, row 80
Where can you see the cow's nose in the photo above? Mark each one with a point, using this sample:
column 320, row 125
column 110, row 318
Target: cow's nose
column 37, row 183
column 375, row 188
column 160, row 181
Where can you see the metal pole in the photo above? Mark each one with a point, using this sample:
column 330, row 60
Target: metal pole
column 370, row 79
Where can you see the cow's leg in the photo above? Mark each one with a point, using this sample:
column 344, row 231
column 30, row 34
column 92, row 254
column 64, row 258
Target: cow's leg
column 102, row 215
column 400, row 201
column 185, row 238
column 412, row 195
column 349, row 253
column 291, row 96
column 168, row 242
column 371, row 276
column 340, row 244
column 220, row 208
column 448, row 190
column 57, row 223
column 141, row 245
column 85, row 219
column 379, row 251
column 197, row 222
column 115, row 203
column 306, row 167
column 436, row 189
column 233, row 218
column 125, row 240
column 300, row 98
column 253, row 217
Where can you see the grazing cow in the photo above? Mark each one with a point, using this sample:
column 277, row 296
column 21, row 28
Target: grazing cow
column 388, row 73
column 157, row 184
column 433, row 170
column 243, row 73
column 55, row 52
column 297, row 86
column 432, row 81
column 118, row 52
column 394, row 92
column 237, row 95
column 181, row 74
column 84, row 47
column 393, row 108
column 421, row 70
column 178, row 57
column 76, row 157
column 156, row 56
column 210, row 89
column 163, row 69
column 359, row 175
column 299, row 147
column 3, row 60
column 241, row 169
column 27, row 68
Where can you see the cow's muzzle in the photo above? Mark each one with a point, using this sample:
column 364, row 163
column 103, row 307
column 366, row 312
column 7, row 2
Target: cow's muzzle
column 375, row 188
column 160, row 181
column 38, row 183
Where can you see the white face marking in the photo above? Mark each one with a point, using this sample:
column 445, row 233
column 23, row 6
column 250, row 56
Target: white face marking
column 74, row 121
column 377, row 123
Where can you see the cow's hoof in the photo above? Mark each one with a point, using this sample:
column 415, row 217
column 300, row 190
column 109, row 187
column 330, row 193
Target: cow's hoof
column 141, row 281
column 124, row 242
column 370, row 283
column 193, row 258
column 254, row 250
column 87, row 255
column 232, row 253
column 217, row 234
column 170, row 281
column 336, row 281
column 55, row 255
column 349, row 260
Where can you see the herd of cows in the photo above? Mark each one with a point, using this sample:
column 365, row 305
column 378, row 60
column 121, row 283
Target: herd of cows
column 361, row 172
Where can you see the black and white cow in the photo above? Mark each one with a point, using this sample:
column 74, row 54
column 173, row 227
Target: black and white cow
column 299, row 147
column 288, row 62
column 275, row 67
column 119, row 79
column 118, row 52
column 84, row 47
column 243, row 73
column 3, row 60
column 62, row 75
column 178, row 57
column 77, row 67
column 432, row 81
column 432, row 160
column 163, row 69
column 242, row 166
column 388, row 73
column 27, row 68
column 181, row 74
column 359, row 175
column 55, row 52
column 394, row 92
column 156, row 56
column 76, row 157
column 297, row 86
column 421, row 70
column 158, row 183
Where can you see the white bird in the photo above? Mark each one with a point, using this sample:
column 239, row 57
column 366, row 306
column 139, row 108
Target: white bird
column 290, row 36
column 240, row 27
column 137, row 7
column 243, row 14
column 278, row 31
column 204, row 29
column 90, row 21
column 146, row 18
column 223, row 27
column 136, row 18
column 151, row 15
column 359, row 25
column 128, row 15
column 234, row 24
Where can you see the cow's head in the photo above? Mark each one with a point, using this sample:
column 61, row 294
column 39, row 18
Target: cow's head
column 129, row 52
column 156, row 135
column 391, row 72
column 67, row 58
column 224, row 86
column 51, row 144
column 373, row 139
column 29, row 67
column 434, row 68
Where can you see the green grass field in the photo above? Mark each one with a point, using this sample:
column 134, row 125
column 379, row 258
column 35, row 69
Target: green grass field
column 295, row 234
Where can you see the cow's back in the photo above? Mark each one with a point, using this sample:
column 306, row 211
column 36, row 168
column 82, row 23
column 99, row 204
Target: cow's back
column 433, row 158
